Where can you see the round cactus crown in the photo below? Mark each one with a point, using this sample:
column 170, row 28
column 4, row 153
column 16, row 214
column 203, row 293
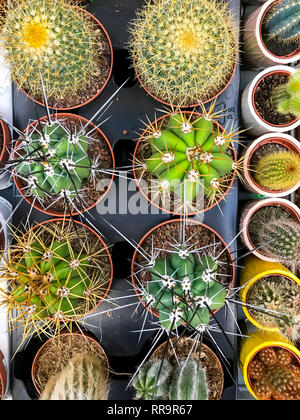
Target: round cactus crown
column 286, row 97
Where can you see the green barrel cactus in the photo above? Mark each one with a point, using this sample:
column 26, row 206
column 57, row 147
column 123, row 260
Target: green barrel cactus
column 286, row 98
column 188, row 155
column 283, row 21
column 189, row 382
column 153, row 380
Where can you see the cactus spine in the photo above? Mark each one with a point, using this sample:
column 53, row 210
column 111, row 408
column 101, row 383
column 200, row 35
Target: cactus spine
column 183, row 50
column 283, row 21
column 189, row 382
column 84, row 378
column 278, row 171
column 286, row 98
column 153, row 379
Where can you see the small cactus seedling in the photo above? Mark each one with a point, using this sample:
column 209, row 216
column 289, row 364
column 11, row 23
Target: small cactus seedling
column 286, row 98
column 57, row 41
column 189, row 382
column 280, row 239
column 278, row 171
column 84, row 379
column 274, row 375
column 283, row 22
column 56, row 273
column 153, row 380
column 183, row 51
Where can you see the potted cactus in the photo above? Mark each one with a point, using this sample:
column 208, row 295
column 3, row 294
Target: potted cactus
column 271, row 367
column 185, row 162
column 61, row 43
column 271, row 165
column 57, row 272
column 71, row 367
column 272, row 34
column 270, row 229
column 57, row 164
column 3, row 378
column 184, row 52
column 271, row 296
column 271, row 101
column 196, row 375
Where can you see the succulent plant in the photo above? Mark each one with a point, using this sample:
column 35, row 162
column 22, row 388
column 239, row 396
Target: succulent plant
column 275, row 376
column 153, row 380
column 278, row 171
column 281, row 240
column 184, row 289
column 83, row 379
column 189, row 381
column 283, row 21
column 55, row 273
column 286, row 97
column 183, row 50
column 190, row 156
column 54, row 40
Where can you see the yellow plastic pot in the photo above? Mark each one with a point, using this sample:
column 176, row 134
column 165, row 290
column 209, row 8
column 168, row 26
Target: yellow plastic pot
column 256, row 342
column 255, row 269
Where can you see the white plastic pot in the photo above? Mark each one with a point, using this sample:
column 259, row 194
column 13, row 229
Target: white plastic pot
column 255, row 125
column 248, row 212
column 285, row 140
column 257, row 55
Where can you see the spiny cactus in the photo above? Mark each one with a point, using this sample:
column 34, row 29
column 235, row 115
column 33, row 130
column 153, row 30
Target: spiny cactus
column 55, row 274
column 286, row 98
column 277, row 378
column 184, row 290
column 190, row 154
column 189, row 382
column 283, row 21
column 153, row 380
column 84, row 379
column 183, row 50
column 278, row 171
column 281, row 240
column 55, row 40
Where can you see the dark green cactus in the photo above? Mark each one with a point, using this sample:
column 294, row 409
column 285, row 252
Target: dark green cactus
column 283, row 21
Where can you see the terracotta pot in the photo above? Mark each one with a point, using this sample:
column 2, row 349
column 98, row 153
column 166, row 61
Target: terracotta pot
column 3, row 377
column 146, row 196
column 106, row 82
column 36, row 205
column 177, row 344
column 249, row 211
column 191, row 222
column 36, row 358
column 254, row 123
column 256, row 342
column 256, row 52
column 5, row 151
column 289, row 142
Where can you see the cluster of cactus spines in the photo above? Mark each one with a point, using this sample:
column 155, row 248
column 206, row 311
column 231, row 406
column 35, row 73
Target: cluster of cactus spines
column 190, row 155
column 83, row 379
column 278, row 171
column 158, row 379
column 184, row 290
column 277, row 300
column 50, row 282
column 281, row 240
column 274, row 375
column 283, row 21
column 55, row 40
column 52, row 162
column 183, row 50
column 286, row 97
column 153, row 380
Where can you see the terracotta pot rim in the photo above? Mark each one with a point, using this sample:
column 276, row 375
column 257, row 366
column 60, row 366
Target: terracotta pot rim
column 286, row 72
column 75, row 213
column 85, row 334
column 4, row 153
column 157, row 205
column 3, row 377
column 104, row 85
column 268, row 202
column 195, row 222
column 265, row 10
